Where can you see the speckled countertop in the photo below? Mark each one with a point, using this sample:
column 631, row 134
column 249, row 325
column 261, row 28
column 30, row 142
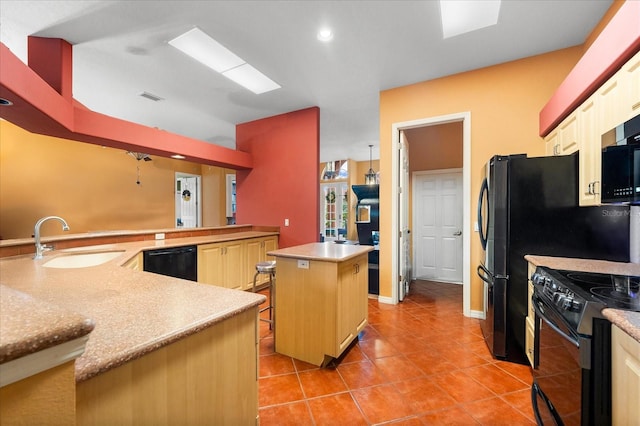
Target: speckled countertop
column 628, row 321
column 134, row 312
column 30, row 324
column 326, row 252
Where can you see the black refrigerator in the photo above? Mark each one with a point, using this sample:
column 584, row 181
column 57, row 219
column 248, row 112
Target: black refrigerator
column 530, row 206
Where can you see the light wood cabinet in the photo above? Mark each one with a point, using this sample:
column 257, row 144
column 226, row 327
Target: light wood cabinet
column 256, row 252
column 352, row 302
column 208, row 378
column 223, row 264
column 625, row 380
column 563, row 140
column 135, row 263
column 46, row 398
column 321, row 306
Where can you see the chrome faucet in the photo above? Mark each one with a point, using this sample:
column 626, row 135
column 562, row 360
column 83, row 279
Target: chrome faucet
column 40, row 248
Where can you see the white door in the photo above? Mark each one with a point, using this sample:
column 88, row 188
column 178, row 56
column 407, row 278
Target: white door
column 438, row 225
column 187, row 201
column 403, row 208
column 334, row 210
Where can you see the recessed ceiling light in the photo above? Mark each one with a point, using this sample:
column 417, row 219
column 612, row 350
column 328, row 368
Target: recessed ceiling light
column 325, row 34
column 178, row 157
column 5, row 102
column 206, row 50
column 463, row 16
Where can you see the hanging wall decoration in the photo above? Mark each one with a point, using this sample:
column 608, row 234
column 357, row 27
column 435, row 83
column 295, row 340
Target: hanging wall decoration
column 139, row 156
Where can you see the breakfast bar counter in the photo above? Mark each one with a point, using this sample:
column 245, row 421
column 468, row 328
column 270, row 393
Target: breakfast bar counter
column 147, row 339
column 321, row 299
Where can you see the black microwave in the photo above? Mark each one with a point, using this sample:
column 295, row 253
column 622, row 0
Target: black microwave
column 621, row 164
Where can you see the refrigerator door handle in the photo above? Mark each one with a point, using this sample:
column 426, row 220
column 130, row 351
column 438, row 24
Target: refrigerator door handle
column 483, row 232
column 485, row 275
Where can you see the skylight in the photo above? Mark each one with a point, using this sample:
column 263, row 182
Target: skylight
column 209, row 52
column 463, row 16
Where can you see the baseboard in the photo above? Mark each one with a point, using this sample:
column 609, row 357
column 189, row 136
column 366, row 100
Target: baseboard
column 387, row 300
column 477, row 314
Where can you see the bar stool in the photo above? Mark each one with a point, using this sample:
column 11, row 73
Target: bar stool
column 268, row 267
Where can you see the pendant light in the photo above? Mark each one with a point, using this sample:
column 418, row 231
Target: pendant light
column 370, row 176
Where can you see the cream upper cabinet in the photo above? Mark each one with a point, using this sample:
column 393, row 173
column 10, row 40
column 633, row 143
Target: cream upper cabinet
column 615, row 102
column 589, row 160
column 631, row 82
column 625, row 378
column 551, row 144
column 563, row 140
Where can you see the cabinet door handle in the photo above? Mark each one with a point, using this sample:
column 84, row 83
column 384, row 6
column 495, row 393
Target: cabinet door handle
column 590, row 189
column 594, row 187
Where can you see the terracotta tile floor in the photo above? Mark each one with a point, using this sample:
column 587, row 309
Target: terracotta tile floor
column 417, row 363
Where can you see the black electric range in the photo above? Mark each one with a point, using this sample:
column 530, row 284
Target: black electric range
column 572, row 362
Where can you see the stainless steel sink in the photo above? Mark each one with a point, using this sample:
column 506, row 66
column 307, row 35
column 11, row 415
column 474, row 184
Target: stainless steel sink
column 82, row 260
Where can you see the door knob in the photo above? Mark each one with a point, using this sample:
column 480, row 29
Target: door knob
column 457, row 233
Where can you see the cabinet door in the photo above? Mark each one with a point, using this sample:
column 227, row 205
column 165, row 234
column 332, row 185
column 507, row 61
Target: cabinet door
column 631, row 86
column 234, row 265
column 352, row 303
column 568, row 135
column 210, row 265
column 551, row 144
column 254, row 255
column 135, row 262
column 625, row 378
column 610, row 103
column 590, row 160
column 270, row 244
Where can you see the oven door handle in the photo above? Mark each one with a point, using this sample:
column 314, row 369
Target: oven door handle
column 537, row 302
column 535, row 392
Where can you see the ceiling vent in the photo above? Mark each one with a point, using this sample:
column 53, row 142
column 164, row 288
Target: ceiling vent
column 151, row 96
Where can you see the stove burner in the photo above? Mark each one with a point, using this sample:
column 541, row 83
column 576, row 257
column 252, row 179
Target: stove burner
column 586, row 278
column 620, row 299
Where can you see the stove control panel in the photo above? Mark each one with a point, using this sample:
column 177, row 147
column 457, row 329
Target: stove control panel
column 556, row 293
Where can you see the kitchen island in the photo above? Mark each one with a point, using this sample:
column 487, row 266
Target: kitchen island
column 162, row 350
column 321, row 299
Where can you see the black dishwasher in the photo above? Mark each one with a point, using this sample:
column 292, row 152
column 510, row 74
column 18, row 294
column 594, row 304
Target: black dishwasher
column 178, row 262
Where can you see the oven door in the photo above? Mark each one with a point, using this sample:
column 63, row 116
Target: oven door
column 556, row 393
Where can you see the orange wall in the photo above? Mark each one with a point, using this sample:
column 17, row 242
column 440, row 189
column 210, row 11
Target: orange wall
column 504, row 101
column 92, row 187
column 283, row 183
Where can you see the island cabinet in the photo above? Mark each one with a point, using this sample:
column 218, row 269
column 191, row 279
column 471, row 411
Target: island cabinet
column 321, row 300
column 208, row 378
column 625, row 378
column 222, row 264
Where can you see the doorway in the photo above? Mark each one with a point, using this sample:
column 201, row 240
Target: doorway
column 187, row 200
column 437, row 225
column 397, row 177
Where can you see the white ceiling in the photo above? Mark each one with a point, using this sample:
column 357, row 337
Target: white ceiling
column 120, row 50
